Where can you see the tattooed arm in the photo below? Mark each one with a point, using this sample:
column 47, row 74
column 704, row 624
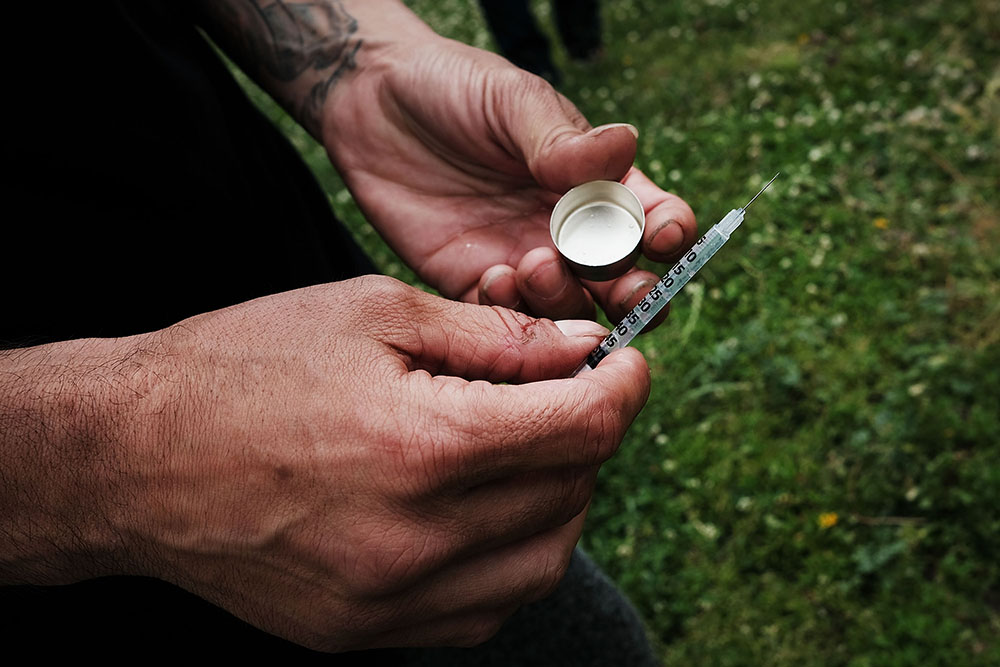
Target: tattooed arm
column 299, row 51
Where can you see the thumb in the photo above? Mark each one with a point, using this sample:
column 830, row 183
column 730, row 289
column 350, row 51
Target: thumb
column 604, row 153
column 491, row 343
column 557, row 143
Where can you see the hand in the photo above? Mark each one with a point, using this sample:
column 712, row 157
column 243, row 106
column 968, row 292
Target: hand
column 457, row 158
column 324, row 464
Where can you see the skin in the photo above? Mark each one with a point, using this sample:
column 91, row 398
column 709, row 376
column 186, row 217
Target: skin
column 341, row 465
column 238, row 454
column 426, row 129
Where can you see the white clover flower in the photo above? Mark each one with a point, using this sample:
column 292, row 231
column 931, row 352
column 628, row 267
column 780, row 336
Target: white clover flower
column 707, row 530
column 974, row 153
column 937, row 361
column 804, row 119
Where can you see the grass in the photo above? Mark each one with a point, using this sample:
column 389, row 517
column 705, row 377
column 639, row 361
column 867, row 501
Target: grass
column 816, row 477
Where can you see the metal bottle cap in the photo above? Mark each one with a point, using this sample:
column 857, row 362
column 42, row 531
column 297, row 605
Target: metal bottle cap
column 597, row 228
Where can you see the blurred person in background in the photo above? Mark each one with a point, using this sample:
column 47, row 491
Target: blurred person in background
column 521, row 41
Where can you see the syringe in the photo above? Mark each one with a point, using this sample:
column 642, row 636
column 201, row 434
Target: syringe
column 667, row 287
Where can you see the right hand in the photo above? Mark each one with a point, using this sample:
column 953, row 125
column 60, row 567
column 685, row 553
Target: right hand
column 319, row 463
column 457, row 158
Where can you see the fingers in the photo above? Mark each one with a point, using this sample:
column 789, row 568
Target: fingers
column 542, row 284
column 568, row 159
column 477, row 342
column 618, row 297
column 548, row 287
column 498, row 287
column 669, row 232
column 477, row 432
column 510, row 509
column 670, row 224
column 556, row 142
column 467, row 602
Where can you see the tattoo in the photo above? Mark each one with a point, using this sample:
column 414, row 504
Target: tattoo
column 288, row 41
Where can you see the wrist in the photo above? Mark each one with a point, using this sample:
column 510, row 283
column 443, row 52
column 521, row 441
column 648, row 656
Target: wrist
column 66, row 414
column 388, row 35
column 301, row 52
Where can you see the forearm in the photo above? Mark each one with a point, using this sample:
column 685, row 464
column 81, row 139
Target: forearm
column 60, row 462
column 301, row 51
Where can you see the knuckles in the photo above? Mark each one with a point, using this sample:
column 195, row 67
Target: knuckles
column 390, row 558
column 478, row 630
column 579, row 489
column 603, row 431
column 548, row 574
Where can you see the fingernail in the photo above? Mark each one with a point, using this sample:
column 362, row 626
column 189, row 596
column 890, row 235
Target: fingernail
column 640, row 288
column 549, row 280
column 582, row 328
column 603, row 128
column 668, row 238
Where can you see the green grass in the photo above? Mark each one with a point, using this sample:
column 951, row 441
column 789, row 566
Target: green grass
column 816, row 477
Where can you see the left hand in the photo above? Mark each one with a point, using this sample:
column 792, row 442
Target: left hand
column 457, row 157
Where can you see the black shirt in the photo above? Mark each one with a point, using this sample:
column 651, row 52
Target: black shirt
column 145, row 186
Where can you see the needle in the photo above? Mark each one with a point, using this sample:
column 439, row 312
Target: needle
column 761, row 190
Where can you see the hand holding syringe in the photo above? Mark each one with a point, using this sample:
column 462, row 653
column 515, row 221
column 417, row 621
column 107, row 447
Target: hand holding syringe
column 668, row 286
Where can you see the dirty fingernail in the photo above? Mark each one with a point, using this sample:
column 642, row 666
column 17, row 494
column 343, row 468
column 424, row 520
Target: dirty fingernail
column 641, row 289
column 668, row 238
column 581, row 328
column 548, row 281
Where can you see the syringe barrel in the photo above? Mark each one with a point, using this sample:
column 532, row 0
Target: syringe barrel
column 664, row 290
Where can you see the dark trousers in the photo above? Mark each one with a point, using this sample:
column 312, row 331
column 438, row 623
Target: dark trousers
column 585, row 622
column 522, row 42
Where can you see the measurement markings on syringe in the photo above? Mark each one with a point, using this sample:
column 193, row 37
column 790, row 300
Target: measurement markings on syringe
column 647, row 302
column 667, row 287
